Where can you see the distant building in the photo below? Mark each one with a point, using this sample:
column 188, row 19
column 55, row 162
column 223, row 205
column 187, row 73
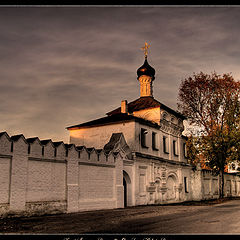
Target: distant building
column 234, row 167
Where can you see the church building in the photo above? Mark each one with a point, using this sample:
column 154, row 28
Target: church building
column 135, row 155
column 155, row 168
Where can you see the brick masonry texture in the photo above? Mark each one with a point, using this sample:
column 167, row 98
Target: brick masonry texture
column 45, row 177
column 56, row 179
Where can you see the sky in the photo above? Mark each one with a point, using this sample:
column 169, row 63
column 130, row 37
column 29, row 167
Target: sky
column 62, row 66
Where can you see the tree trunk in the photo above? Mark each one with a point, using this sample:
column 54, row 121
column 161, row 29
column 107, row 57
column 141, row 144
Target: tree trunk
column 221, row 183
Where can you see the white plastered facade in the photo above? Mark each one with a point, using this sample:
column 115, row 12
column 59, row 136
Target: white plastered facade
column 156, row 174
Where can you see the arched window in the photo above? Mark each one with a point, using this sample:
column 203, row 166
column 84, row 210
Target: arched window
column 171, row 187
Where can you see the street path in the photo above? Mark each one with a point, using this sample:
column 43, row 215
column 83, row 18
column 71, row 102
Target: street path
column 201, row 218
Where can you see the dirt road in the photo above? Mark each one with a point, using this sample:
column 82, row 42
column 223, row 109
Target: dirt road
column 184, row 218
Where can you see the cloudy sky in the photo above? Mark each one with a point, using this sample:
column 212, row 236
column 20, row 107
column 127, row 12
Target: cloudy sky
column 61, row 66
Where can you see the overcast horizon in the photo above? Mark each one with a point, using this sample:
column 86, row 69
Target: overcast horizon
column 61, row 66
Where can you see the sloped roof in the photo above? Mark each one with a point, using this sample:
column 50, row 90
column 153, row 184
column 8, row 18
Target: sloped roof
column 79, row 147
column 31, row 140
column 56, row 144
column 99, row 150
column 16, row 137
column 44, row 142
column 2, row 133
column 115, row 138
column 68, row 145
column 90, row 149
column 117, row 142
column 144, row 103
column 122, row 117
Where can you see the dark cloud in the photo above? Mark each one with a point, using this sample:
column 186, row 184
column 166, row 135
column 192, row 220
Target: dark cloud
column 61, row 66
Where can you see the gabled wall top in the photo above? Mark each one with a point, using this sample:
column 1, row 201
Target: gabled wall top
column 30, row 147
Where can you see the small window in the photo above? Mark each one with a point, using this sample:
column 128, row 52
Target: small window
column 42, row 150
column 175, row 151
column 11, row 146
column 29, row 149
column 143, row 137
column 165, row 145
column 185, row 150
column 186, row 184
column 142, row 183
column 55, row 152
column 154, row 141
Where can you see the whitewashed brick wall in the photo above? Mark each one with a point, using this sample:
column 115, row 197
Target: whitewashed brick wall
column 64, row 178
column 46, row 181
column 5, row 164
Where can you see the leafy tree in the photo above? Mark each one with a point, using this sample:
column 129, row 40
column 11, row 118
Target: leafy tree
column 192, row 151
column 211, row 103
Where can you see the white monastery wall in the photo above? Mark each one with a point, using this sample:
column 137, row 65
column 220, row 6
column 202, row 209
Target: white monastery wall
column 196, row 184
column 35, row 149
column 49, row 150
column 18, row 175
column 99, row 136
column 160, row 182
column 46, row 181
column 58, row 179
column 205, row 185
column 5, row 164
column 96, row 187
column 232, row 185
column 186, row 194
column 66, row 178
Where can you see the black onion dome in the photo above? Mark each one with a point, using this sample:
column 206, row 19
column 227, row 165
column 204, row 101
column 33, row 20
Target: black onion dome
column 146, row 69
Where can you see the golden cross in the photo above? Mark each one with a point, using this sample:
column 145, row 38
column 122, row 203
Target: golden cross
column 145, row 49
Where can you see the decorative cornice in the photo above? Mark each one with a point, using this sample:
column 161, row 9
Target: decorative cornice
column 142, row 155
column 96, row 164
column 5, row 156
column 46, row 160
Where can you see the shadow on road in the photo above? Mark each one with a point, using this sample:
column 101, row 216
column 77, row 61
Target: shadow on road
column 138, row 219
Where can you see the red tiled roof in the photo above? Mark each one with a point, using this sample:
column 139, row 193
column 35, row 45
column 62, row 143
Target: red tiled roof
column 144, row 103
